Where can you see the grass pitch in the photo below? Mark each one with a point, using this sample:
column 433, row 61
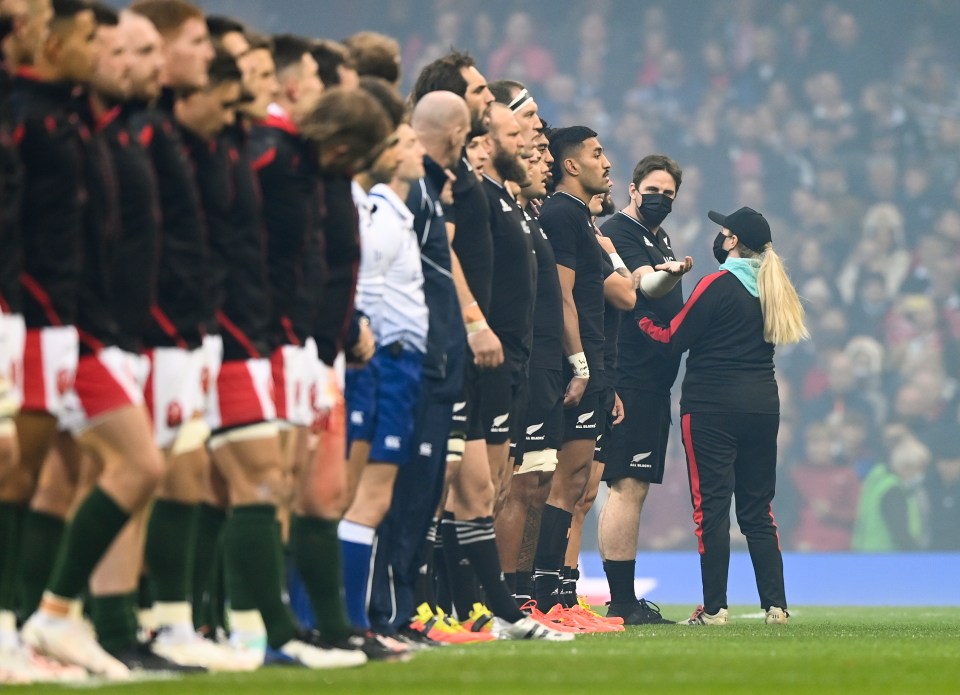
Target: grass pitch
column 823, row 650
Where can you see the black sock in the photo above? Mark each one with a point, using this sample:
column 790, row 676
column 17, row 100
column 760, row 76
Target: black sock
column 568, row 586
column 425, row 588
column 524, row 590
column 460, row 581
column 441, row 576
column 479, row 543
column 511, row 579
column 620, row 575
column 551, row 548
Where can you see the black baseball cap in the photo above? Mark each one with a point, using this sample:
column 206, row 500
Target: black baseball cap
column 749, row 225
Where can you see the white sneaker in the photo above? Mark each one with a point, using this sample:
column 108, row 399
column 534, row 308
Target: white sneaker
column 318, row 657
column 183, row 646
column 701, row 617
column 70, row 641
column 776, row 616
column 529, row 629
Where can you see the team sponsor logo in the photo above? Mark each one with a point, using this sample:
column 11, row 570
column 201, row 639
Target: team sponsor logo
column 638, row 460
column 533, row 429
column 505, row 206
column 392, row 442
column 457, row 407
column 647, row 242
column 426, row 449
column 500, row 419
column 174, row 414
column 356, row 417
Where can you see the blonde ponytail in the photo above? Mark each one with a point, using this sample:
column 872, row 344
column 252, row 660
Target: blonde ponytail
column 782, row 311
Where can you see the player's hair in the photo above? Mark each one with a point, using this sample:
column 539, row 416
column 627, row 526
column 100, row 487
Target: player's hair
column 223, row 68
column 288, row 50
column 375, row 54
column 219, row 26
column 259, row 42
column 565, row 143
column 657, row 162
column 104, row 15
column 783, row 314
column 350, row 118
column 387, row 96
column 168, row 16
column 443, row 75
column 504, row 91
column 330, row 55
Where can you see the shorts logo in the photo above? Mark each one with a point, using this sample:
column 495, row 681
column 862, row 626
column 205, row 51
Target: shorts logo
column 457, row 407
column 533, row 429
column 174, row 414
column 356, row 417
column 426, row 449
column 64, row 381
column 635, row 461
column 500, row 419
column 599, row 437
column 586, row 416
column 392, row 441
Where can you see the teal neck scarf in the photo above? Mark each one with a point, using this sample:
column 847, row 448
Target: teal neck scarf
column 745, row 269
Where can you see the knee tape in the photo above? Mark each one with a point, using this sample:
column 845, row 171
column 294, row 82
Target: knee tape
column 261, row 430
column 455, row 447
column 544, row 461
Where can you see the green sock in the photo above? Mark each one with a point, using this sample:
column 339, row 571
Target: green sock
column 97, row 522
column 171, row 537
column 40, row 538
column 316, row 550
column 254, row 580
column 206, row 567
column 115, row 620
column 11, row 519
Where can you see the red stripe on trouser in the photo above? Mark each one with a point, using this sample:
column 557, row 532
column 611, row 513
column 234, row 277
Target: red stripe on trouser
column 34, row 392
column 694, row 479
column 279, row 383
column 774, row 522
column 148, row 387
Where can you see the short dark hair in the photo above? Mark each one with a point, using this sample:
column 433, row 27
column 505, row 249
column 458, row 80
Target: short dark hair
column 565, row 142
column 443, row 75
column 330, row 55
column 288, row 49
column 223, row 68
column 259, row 42
column 219, row 26
column 68, row 9
column 387, row 96
column 375, row 54
column 656, row 162
column 105, row 16
column 505, row 90
column 168, row 16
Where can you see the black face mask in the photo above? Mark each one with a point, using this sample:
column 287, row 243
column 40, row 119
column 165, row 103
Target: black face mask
column 654, row 208
column 718, row 251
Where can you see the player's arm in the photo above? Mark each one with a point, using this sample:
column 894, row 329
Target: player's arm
column 484, row 343
column 658, row 280
column 572, row 347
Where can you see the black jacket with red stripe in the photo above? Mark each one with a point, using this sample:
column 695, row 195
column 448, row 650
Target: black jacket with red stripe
column 730, row 365
column 183, row 301
column 288, row 182
column 230, row 197
column 11, row 192
column 136, row 248
column 47, row 134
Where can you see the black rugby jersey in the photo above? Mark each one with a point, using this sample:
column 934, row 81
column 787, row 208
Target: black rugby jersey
column 566, row 222
column 472, row 241
column 730, row 366
column 513, row 290
column 640, row 365
column 183, row 303
column 47, row 136
column 547, row 350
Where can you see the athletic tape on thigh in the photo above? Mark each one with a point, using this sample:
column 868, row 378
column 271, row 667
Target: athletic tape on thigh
column 536, row 461
column 191, row 435
column 261, row 430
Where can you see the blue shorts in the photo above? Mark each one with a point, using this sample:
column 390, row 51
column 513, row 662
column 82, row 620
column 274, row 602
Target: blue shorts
column 382, row 400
